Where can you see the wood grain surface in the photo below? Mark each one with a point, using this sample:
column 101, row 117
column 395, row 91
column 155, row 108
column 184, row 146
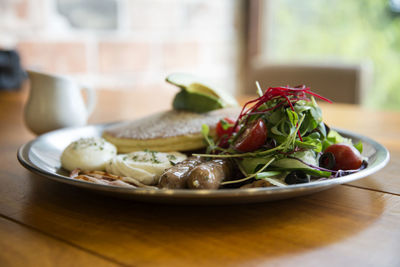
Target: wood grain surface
column 21, row 246
column 350, row 225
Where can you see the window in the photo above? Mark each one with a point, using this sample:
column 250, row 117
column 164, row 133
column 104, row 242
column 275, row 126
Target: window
column 327, row 31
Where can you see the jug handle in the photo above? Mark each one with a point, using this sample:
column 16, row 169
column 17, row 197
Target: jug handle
column 91, row 99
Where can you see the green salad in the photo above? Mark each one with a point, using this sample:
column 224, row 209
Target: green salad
column 280, row 137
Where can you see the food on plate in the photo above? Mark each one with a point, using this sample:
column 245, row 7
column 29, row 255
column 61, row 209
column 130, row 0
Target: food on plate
column 104, row 178
column 176, row 176
column 343, row 156
column 144, row 166
column 196, row 173
column 253, row 137
column 210, row 174
column 172, row 130
column 88, row 154
column 197, row 96
column 280, row 138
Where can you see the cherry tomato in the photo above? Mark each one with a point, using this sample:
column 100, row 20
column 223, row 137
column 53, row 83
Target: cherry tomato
column 347, row 157
column 253, row 137
column 220, row 126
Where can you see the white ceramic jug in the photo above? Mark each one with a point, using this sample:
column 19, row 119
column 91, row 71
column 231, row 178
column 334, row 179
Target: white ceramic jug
column 56, row 102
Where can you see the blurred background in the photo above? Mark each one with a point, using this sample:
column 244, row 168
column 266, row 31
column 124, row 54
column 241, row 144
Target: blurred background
column 346, row 50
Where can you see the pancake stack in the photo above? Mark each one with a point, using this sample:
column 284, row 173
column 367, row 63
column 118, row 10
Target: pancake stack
column 171, row 130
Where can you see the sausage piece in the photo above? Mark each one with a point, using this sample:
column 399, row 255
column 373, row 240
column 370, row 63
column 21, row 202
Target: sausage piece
column 176, row 176
column 210, row 174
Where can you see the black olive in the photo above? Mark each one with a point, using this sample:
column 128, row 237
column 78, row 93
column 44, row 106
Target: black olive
column 364, row 164
column 327, row 160
column 297, row 177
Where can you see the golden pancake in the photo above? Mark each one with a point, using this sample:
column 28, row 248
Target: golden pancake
column 171, row 130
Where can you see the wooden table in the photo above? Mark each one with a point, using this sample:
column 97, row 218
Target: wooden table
column 45, row 223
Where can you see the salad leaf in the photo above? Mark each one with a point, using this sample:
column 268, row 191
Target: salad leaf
column 313, row 115
column 251, row 165
column 293, row 117
column 289, row 164
column 275, row 117
column 266, row 165
column 334, row 137
column 205, row 131
column 312, row 141
column 268, row 174
column 322, row 129
column 225, row 124
column 307, row 156
column 276, row 179
column 359, row 146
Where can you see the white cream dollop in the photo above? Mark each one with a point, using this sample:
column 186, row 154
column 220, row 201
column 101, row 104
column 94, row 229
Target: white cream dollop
column 88, row 154
column 145, row 166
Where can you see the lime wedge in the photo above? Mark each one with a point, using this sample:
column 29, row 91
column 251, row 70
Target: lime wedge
column 197, row 96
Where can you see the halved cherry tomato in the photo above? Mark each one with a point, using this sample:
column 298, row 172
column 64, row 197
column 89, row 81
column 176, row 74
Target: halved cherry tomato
column 347, row 157
column 253, row 137
column 224, row 126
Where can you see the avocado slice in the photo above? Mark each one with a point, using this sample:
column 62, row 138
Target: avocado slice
column 197, row 96
column 195, row 102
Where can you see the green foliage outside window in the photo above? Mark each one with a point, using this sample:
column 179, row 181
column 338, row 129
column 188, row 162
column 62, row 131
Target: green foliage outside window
column 348, row 30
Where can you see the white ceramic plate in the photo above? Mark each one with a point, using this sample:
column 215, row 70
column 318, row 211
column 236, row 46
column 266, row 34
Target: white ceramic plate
column 42, row 156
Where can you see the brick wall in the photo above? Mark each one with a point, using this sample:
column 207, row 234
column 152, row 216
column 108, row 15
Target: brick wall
column 124, row 44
